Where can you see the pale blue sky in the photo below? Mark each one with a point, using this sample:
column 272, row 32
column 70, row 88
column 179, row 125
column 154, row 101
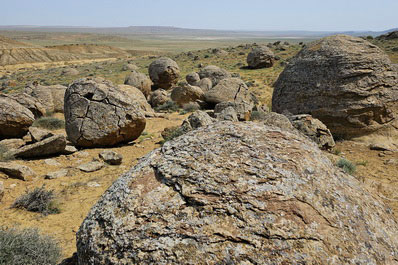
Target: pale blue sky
column 206, row 14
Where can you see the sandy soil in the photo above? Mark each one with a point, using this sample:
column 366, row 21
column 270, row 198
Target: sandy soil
column 78, row 192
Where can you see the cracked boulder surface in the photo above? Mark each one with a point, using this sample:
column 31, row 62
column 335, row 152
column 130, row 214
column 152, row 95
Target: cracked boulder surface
column 237, row 193
column 346, row 82
column 15, row 119
column 164, row 73
column 97, row 113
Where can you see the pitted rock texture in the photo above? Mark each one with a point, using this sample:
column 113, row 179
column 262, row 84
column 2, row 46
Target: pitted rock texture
column 164, row 73
column 237, row 193
column 15, row 119
column 260, row 57
column 99, row 114
column 346, row 82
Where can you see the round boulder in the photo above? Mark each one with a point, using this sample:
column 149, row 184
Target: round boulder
column 140, row 81
column 260, row 57
column 193, row 79
column 159, row 97
column 99, row 114
column 237, row 193
column 214, row 73
column 346, row 82
column 15, row 119
column 164, row 73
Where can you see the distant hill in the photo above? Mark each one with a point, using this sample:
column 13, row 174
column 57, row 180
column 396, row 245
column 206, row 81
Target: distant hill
column 393, row 35
column 160, row 30
column 7, row 43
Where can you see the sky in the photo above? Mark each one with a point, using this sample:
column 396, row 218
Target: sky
column 314, row 15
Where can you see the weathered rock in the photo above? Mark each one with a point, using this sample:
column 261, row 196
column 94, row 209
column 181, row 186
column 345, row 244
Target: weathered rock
column 230, row 90
column 196, row 120
column 242, row 110
column 29, row 102
column 214, row 73
column 186, row 93
column 314, row 129
column 69, row 149
column 12, row 143
column 51, row 162
column 137, row 96
column 237, row 193
column 99, row 114
column 111, row 157
column 140, row 81
column 38, row 134
column 227, row 114
column 130, row 67
column 193, row 79
column 49, row 146
column 274, row 119
column 91, row 166
column 51, row 97
column 69, row 71
column 346, row 82
column 260, row 57
column 57, row 174
column 164, row 73
column 205, row 84
column 159, row 97
column 16, row 171
column 15, row 119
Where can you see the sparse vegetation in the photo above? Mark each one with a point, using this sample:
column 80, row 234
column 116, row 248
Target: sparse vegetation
column 49, row 123
column 169, row 106
column 347, row 166
column 39, row 200
column 27, row 247
column 144, row 136
column 336, row 151
column 257, row 115
column 362, row 163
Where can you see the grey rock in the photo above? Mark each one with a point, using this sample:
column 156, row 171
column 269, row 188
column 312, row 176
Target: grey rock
column 51, row 162
column 15, row 119
column 99, row 114
column 164, row 73
column 237, row 193
column 111, row 157
column 346, row 82
column 16, row 171
column 28, row 102
column 69, row 71
column 138, row 97
column 12, row 143
column 274, row 119
column 196, row 120
column 214, row 73
column 91, row 166
column 69, row 149
column 260, row 57
column 205, row 84
column 227, row 114
column 50, row 97
column 242, row 109
column 140, row 81
column 130, row 67
column 50, row 146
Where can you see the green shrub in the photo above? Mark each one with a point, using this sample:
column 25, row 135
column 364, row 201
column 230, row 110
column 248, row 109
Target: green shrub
column 39, row 200
column 347, row 166
column 49, row 123
column 27, row 247
column 169, row 106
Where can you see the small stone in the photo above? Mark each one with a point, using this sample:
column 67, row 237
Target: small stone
column 82, row 154
column 93, row 184
column 91, row 166
column 51, row 162
column 69, row 149
column 111, row 157
column 57, row 174
column 39, row 134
